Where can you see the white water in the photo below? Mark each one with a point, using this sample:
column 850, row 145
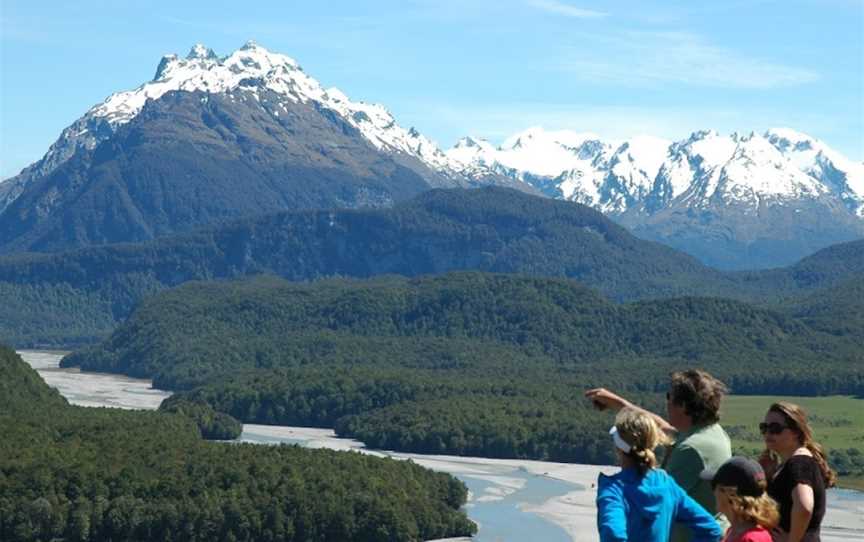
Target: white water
column 511, row 500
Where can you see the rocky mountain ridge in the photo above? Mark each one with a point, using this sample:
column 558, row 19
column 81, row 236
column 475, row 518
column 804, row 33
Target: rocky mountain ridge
column 210, row 139
column 251, row 67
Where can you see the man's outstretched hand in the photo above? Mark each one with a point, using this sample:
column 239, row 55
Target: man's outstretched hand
column 603, row 399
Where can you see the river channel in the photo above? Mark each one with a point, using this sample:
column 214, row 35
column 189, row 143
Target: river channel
column 510, row 500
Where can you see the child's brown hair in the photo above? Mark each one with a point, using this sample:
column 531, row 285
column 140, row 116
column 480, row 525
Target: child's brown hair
column 761, row 510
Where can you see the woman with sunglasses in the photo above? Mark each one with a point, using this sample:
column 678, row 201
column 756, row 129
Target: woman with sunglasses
column 798, row 473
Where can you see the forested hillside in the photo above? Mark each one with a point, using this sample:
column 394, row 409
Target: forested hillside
column 841, row 263
column 838, row 309
column 74, row 297
column 467, row 362
column 71, row 473
column 78, row 297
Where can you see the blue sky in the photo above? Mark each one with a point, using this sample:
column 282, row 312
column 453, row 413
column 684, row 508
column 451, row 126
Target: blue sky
column 453, row 68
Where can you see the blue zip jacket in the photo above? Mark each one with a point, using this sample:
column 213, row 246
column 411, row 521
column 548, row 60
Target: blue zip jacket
column 643, row 508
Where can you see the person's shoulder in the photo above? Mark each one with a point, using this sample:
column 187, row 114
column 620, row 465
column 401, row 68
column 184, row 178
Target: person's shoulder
column 605, row 481
column 656, row 475
column 683, row 453
column 661, row 478
column 801, row 459
column 710, row 440
column 759, row 534
column 609, row 486
column 712, row 432
column 803, row 467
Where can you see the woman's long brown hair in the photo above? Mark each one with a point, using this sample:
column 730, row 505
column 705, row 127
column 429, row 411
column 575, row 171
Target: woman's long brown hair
column 796, row 418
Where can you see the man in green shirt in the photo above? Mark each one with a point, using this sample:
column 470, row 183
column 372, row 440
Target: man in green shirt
column 693, row 410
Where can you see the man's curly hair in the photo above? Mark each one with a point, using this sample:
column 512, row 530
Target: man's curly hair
column 699, row 393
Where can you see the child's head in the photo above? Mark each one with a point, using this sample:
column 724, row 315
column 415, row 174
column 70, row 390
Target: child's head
column 739, row 487
column 636, row 435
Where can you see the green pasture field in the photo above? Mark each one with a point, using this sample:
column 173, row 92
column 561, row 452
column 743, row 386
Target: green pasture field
column 837, row 422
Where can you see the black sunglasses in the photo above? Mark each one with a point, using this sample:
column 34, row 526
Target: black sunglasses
column 774, row 428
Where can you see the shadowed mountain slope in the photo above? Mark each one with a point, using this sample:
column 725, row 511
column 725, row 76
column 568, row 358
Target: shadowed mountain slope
column 192, row 159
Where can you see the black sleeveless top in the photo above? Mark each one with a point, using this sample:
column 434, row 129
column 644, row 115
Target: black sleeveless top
column 799, row 469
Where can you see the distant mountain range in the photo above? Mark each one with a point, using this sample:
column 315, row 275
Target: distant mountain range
column 210, row 139
column 738, row 201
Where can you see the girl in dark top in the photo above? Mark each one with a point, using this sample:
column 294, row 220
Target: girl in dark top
column 798, row 473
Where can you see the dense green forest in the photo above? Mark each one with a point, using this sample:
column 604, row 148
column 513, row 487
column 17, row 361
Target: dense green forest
column 838, row 309
column 71, row 473
column 78, row 297
column 465, row 362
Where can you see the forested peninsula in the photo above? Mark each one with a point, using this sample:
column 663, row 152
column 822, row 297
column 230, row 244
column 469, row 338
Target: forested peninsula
column 73, row 473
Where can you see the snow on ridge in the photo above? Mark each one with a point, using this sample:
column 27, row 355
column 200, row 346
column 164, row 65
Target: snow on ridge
column 760, row 167
column 789, row 136
column 817, row 159
column 472, row 152
column 638, row 160
column 534, row 151
column 203, row 71
column 749, row 168
column 536, row 135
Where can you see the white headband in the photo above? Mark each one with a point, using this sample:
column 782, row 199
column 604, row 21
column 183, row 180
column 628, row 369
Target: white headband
column 620, row 443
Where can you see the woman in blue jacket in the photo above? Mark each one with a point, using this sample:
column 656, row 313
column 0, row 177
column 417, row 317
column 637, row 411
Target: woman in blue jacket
column 641, row 502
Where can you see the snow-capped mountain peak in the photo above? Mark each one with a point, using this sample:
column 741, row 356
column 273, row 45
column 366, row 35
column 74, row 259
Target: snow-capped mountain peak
column 537, row 136
column 646, row 153
column 201, row 51
column 473, row 153
column 643, row 173
column 786, row 139
column 203, row 70
column 810, row 155
column 249, row 68
column 470, row 142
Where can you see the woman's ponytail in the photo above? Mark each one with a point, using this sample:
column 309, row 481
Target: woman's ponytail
column 639, row 430
column 645, row 459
